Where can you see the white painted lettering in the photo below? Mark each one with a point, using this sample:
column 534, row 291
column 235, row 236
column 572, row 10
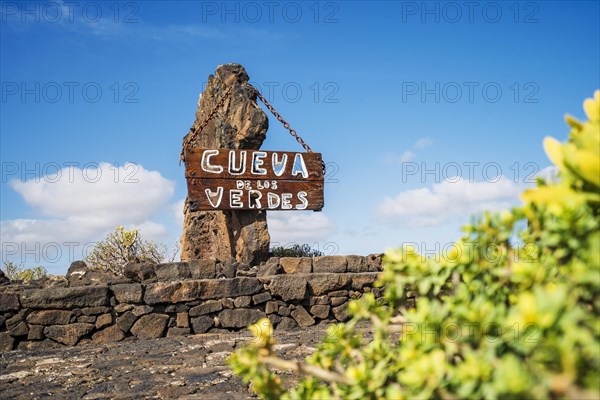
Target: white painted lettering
column 279, row 165
column 286, row 201
column 254, row 197
column 212, row 196
column 257, row 161
column 237, row 169
column 205, row 163
column 302, row 197
column 299, row 167
column 235, row 199
column 273, row 200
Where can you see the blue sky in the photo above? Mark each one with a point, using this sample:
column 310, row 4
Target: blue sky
column 428, row 112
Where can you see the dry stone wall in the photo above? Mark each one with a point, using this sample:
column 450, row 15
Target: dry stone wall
column 174, row 299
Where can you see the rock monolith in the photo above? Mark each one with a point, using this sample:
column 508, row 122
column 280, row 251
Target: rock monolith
column 239, row 124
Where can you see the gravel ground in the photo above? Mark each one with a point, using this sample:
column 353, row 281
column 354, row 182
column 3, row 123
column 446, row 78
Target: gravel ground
column 192, row 367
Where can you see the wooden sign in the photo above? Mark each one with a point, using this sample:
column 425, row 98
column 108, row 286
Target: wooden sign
column 224, row 179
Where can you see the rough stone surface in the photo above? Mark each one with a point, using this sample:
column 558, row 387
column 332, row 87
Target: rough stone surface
column 178, row 332
column 36, row 332
column 6, row 342
column 261, row 298
column 288, row 287
column 357, row 264
column 284, row 311
column 9, row 302
column 94, row 310
column 202, row 324
column 206, row 307
column 330, row 264
column 80, row 275
column 140, row 271
column 239, row 124
column 202, row 289
column 68, row 334
column 296, row 265
column 271, row 307
column 103, row 321
column 150, row 326
column 243, row 301
column 85, row 296
column 126, row 321
column 172, row 271
column 128, row 293
column 183, row 320
column 302, row 317
column 228, row 302
column 287, row 323
column 203, row 269
column 226, row 268
column 109, row 335
column 322, row 283
column 336, row 301
column 364, row 279
column 274, row 318
column 121, row 308
column 341, row 313
column 239, row 318
column 20, row 329
column 269, row 268
column 138, row 311
column 374, row 262
column 320, row 311
column 3, row 278
column 88, row 319
column 13, row 321
column 49, row 317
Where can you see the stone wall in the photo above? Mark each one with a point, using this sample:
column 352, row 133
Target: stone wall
column 181, row 298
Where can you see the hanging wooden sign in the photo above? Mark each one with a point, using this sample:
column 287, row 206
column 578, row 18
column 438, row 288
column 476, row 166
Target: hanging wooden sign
column 224, row 179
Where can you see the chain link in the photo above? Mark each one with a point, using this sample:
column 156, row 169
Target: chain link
column 285, row 124
column 262, row 98
column 203, row 124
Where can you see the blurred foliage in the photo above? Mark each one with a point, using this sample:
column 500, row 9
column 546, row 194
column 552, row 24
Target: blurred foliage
column 16, row 272
column 511, row 311
column 122, row 247
column 297, row 250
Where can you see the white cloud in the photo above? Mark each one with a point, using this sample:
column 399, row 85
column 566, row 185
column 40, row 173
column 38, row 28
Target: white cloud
column 548, row 174
column 177, row 210
column 103, row 19
column 423, row 142
column 299, row 227
column 454, row 198
column 98, row 196
column 406, row 156
column 391, row 158
column 82, row 206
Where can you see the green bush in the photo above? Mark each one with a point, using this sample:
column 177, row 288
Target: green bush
column 16, row 272
column 122, row 247
column 297, row 250
column 512, row 311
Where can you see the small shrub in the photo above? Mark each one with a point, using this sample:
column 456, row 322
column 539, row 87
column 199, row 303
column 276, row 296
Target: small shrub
column 297, row 250
column 122, row 247
column 493, row 319
column 16, row 272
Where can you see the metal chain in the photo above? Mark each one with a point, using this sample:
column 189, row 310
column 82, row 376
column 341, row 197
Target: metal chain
column 262, row 98
column 285, row 124
column 203, row 124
